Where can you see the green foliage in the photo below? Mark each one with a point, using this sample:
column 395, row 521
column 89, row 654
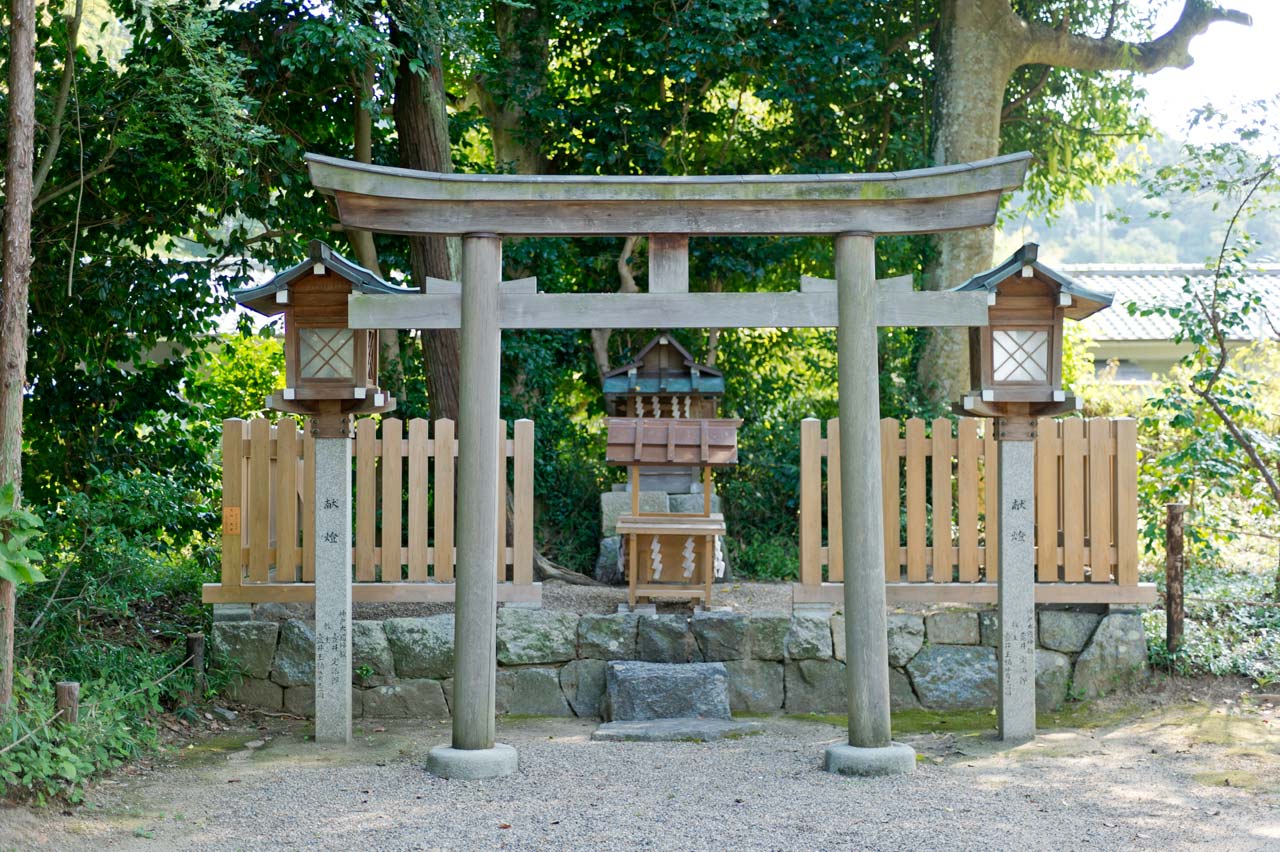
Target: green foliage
column 18, row 531
column 236, row 376
column 44, row 761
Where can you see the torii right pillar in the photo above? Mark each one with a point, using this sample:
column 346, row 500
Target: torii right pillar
column 870, row 750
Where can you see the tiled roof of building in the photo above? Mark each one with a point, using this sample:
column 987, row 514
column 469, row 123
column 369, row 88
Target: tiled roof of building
column 1150, row 284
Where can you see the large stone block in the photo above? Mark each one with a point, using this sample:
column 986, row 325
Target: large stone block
column 608, row 637
column 247, row 647
column 838, row 639
column 721, row 635
column 755, row 686
column 989, row 627
column 609, row 563
column 300, row 700
column 809, row 638
column 532, row 691
column 257, row 692
column 637, row 690
column 409, row 699
column 1116, row 656
column 955, row 677
column 691, row 504
column 768, row 633
column 1053, row 676
column 906, row 637
column 582, row 682
column 371, row 661
column 952, row 627
column 532, row 636
column 816, row 686
column 295, row 663
column 1068, row 632
column 901, row 695
column 615, row 504
column 665, row 639
column 421, row 647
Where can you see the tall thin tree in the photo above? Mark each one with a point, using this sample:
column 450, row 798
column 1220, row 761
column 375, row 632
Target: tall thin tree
column 15, row 280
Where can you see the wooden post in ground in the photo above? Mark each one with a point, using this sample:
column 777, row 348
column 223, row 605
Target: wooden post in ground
column 67, row 701
column 1016, row 654
column 195, row 662
column 1175, row 515
column 332, row 508
column 870, row 750
column 474, row 754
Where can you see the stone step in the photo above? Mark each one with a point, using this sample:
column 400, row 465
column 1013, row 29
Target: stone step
column 636, row 691
column 675, row 730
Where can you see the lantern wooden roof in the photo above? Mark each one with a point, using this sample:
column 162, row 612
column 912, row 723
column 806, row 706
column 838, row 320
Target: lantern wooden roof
column 1083, row 300
column 263, row 298
column 663, row 366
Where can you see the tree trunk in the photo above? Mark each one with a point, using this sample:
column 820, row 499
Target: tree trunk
column 522, row 34
column 15, row 282
column 362, row 241
column 974, row 66
column 422, row 126
column 980, row 44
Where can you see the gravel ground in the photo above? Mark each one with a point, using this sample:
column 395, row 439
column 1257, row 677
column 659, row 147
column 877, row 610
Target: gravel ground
column 1155, row 782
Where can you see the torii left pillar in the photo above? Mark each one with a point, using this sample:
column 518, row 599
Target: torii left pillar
column 473, row 753
column 870, row 750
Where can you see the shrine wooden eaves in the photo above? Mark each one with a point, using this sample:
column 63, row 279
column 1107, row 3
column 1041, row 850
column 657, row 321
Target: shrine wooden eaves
column 669, row 210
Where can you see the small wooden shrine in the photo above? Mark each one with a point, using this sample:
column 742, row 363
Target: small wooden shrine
column 672, row 555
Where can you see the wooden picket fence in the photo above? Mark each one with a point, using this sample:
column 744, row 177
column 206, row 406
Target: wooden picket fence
column 403, row 505
column 940, row 511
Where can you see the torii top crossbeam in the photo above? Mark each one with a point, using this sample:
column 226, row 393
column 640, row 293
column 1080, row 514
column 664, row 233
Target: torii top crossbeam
column 402, row 201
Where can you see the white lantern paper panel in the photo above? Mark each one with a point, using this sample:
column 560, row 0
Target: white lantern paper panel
column 326, row 353
column 1020, row 355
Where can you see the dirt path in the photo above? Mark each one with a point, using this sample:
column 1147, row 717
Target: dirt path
column 1179, row 776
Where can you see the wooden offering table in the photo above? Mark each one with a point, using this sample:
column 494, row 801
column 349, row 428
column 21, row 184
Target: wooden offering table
column 672, row 555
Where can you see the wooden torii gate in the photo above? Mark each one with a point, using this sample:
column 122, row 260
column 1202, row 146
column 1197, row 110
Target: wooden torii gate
column 852, row 209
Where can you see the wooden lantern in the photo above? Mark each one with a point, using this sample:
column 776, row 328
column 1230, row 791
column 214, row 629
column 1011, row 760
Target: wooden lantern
column 1015, row 362
column 329, row 367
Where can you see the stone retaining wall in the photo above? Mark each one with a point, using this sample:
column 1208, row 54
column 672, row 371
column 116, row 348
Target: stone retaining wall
column 552, row 663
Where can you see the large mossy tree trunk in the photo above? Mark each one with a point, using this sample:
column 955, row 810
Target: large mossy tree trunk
column 422, row 128
column 15, row 283
column 980, row 44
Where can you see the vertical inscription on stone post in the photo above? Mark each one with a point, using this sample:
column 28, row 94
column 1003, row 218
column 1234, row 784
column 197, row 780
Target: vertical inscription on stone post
column 333, row 590
column 1017, row 651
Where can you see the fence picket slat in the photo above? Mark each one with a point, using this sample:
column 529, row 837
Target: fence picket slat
column 501, row 519
column 916, row 450
column 233, row 508
column 1099, row 500
column 967, row 489
column 1073, row 499
column 522, row 535
column 442, row 550
column 392, row 497
column 419, row 459
column 991, row 497
column 1046, row 491
column 810, row 502
column 308, row 505
column 891, row 499
column 835, row 521
column 1126, row 529
column 366, row 498
column 259, row 523
column 943, row 446
column 286, row 501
